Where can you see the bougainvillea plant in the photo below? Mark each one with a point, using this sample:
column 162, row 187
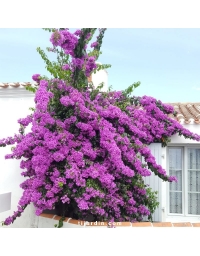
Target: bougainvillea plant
column 86, row 146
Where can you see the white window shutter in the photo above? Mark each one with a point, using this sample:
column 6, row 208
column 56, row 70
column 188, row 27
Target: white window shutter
column 154, row 181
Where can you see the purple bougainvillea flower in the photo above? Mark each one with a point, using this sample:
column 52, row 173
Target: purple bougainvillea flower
column 94, row 44
column 36, row 78
column 66, row 67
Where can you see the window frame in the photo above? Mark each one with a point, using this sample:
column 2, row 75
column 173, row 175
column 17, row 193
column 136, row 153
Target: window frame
column 185, row 190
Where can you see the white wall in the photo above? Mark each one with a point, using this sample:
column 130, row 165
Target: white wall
column 11, row 109
column 195, row 128
column 99, row 77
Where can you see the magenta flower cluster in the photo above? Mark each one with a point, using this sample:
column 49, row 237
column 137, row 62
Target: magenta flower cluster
column 36, row 78
column 68, row 41
column 88, row 155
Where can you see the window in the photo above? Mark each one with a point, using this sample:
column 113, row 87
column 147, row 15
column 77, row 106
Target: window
column 184, row 196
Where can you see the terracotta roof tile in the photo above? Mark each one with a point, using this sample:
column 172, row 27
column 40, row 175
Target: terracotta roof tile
column 186, row 112
column 15, row 85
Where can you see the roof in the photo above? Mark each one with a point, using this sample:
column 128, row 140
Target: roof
column 188, row 112
column 15, row 90
column 15, row 85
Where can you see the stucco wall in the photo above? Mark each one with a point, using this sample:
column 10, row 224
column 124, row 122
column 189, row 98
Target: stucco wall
column 99, row 77
column 12, row 109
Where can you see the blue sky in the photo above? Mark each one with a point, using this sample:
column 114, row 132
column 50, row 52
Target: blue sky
column 165, row 61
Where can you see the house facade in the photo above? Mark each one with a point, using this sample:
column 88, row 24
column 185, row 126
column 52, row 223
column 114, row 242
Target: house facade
column 181, row 158
column 179, row 202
